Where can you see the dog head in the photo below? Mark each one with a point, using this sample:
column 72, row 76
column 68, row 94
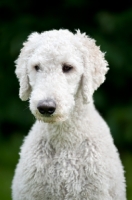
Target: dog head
column 53, row 66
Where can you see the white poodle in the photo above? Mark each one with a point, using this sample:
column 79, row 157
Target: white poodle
column 69, row 153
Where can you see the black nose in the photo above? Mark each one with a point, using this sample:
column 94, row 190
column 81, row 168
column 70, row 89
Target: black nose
column 46, row 107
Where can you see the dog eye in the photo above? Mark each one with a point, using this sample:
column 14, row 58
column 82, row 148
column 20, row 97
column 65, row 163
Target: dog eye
column 36, row 67
column 66, row 68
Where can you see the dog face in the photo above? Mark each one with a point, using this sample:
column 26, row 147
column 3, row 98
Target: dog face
column 54, row 76
column 53, row 66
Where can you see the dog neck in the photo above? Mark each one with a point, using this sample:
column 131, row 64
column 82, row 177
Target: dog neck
column 69, row 133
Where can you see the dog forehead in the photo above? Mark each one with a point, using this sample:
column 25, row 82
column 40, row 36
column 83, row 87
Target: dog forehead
column 55, row 40
column 57, row 50
column 57, row 44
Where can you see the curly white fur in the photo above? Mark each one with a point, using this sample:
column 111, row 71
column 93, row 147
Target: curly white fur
column 69, row 155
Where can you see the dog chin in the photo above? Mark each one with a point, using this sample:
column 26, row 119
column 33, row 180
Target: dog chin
column 50, row 119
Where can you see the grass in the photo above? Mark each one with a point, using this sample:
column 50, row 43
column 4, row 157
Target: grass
column 127, row 162
column 9, row 157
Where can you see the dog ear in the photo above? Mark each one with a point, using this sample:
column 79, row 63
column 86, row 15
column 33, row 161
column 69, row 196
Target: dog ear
column 21, row 66
column 95, row 66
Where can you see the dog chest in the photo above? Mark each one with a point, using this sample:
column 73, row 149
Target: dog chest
column 66, row 174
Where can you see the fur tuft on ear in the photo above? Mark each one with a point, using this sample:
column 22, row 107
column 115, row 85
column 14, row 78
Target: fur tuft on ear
column 21, row 65
column 95, row 66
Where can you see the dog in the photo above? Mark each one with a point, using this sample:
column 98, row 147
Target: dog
column 69, row 153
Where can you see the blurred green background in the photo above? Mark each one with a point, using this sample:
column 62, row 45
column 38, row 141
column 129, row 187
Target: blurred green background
column 111, row 26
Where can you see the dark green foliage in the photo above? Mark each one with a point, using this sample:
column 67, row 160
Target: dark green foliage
column 109, row 24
